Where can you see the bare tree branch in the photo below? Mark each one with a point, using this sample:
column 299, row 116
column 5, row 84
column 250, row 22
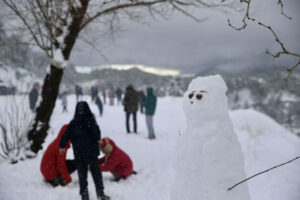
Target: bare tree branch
column 290, row 70
column 283, row 48
column 283, row 51
column 262, row 173
column 246, row 17
column 11, row 4
column 119, row 7
column 186, row 13
column 282, row 11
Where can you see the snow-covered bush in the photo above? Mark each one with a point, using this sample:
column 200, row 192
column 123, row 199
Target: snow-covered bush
column 15, row 121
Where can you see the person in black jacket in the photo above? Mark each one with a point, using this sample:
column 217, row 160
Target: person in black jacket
column 99, row 103
column 94, row 92
column 131, row 104
column 33, row 96
column 84, row 134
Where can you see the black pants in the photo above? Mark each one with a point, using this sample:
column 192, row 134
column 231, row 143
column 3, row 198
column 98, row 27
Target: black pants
column 71, row 166
column 82, row 168
column 142, row 107
column 134, row 121
column 100, row 107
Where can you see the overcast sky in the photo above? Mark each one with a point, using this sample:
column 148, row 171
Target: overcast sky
column 181, row 43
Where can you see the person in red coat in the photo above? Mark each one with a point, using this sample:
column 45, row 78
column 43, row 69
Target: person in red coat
column 115, row 160
column 54, row 166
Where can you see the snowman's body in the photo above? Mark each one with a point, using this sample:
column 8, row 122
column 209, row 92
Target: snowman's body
column 210, row 158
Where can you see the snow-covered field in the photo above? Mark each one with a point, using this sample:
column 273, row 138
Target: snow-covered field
column 264, row 144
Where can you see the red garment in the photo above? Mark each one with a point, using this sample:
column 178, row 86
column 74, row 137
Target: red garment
column 118, row 161
column 53, row 163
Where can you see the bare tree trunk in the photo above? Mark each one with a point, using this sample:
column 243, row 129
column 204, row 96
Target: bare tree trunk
column 50, row 89
column 38, row 132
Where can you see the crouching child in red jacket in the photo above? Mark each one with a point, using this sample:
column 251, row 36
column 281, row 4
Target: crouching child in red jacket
column 54, row 166
column 115, row 160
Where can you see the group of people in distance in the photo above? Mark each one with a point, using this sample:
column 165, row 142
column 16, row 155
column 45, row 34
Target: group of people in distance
column 84, row 134
column 132, row 101
column 131, row 104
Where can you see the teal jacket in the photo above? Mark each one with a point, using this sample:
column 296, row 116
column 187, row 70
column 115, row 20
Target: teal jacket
column 150, row 102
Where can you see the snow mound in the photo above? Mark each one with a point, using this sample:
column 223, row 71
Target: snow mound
column 265, row 144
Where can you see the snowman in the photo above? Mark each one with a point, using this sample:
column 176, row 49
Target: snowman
column 209, row 155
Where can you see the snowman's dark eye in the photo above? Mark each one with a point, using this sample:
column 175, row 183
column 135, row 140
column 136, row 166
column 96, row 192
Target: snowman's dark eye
column 191, row 95
column 199, row 96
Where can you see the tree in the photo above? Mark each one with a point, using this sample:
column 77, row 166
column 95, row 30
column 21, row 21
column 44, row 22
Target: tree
column 54, row 26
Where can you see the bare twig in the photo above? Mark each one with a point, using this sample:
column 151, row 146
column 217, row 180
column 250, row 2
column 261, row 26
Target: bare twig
column 283, row 48
column 186, row 13
column 290, row 71
column 282, row 11
column 14, row 126
column 246, row 17
column 283, row 51
column 262, row 173
column 120, row 7
column 276, row 37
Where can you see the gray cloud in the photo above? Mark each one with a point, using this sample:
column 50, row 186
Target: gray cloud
column 181, row 43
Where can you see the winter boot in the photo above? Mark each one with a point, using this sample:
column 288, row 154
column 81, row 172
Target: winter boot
column 134, row 172
column 103, row 197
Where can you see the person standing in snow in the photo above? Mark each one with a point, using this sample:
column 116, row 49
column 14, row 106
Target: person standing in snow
column 130, row 103
column 115, row 161
column 119, row 93
column 142, row 99
column 111, row 96
column 94, row 92
column 54, row 166
column 33, row 96
column 150, row 105
column 64, row 101
column 79, row 93
column 84, row 134
column 98, row 102
column 104, row 96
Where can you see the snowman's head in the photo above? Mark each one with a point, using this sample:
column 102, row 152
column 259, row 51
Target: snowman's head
column 205, row 97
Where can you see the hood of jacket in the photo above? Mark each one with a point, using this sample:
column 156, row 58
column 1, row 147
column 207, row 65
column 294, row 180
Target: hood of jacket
column 83, row 111
column 150, row 91
column 107, row 144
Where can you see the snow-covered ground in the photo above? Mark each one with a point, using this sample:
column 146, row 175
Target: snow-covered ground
column 264, row 144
